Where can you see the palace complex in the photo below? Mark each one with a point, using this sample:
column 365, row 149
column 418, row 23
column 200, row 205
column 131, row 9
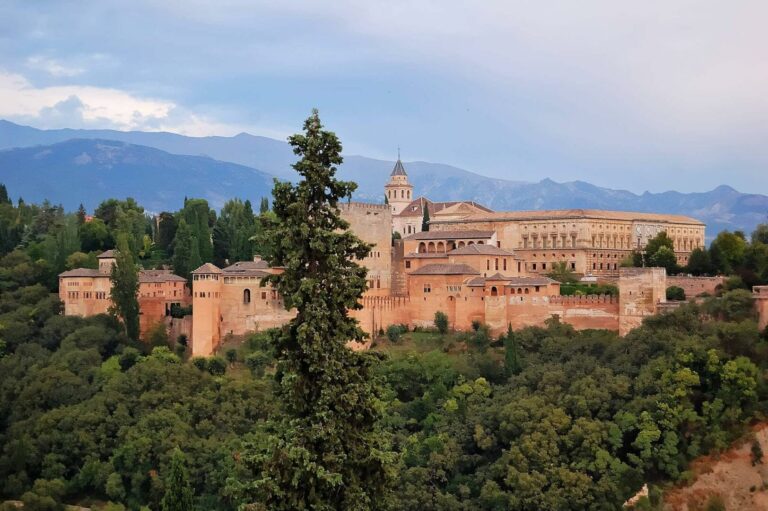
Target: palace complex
column 473, row 264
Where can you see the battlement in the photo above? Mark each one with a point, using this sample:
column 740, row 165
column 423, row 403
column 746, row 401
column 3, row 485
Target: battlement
column 362, row 206
column 584, row 299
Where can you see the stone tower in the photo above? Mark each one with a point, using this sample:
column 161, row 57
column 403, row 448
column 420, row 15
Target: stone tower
column 399, row 191
column 106, row 261
column 206, row 304
column 761, row 303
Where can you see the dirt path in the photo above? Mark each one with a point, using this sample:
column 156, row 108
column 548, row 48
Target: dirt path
column 730, row 475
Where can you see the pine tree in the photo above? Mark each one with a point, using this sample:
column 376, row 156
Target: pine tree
column 125, row 288
column 178, row 492
column 328, row 452
column 4, row 198
column 425, row 218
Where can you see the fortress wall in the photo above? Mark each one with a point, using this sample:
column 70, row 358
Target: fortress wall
column 640, row 292
column 694, row 286
column 373, row 224
column 582, row 312
column 379, row 312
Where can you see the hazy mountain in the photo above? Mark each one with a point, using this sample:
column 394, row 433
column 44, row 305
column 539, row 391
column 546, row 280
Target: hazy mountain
column 89, row 171
column 33, row 177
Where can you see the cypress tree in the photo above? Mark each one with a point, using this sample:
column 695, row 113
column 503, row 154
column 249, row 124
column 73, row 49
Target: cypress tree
column 178, row 494
column 182, row 250
column 327, row 452
column 425, row 218
column 125, row 288
column 512, row 364
column 264, row 206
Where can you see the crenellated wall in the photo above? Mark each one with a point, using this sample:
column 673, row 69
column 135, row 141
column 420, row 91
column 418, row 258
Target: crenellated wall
column 695, row 286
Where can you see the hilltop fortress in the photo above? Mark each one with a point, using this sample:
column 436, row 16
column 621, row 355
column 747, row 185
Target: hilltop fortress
column 473, row 264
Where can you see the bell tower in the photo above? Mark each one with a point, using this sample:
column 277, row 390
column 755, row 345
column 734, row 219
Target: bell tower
column 399, row 192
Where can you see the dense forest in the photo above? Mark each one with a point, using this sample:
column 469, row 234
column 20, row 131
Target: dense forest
column 540, row 418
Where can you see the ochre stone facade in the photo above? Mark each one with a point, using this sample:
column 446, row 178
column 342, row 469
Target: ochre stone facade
column 472, row 264
column 589, row 242
column 696, row 286
column 761, row 304
column 85, row 292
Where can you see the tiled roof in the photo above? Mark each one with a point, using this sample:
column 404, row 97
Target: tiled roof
column 445, row 269
column 530, row 281
column 483, row 249
column 574, row 214
column 248, row 268
column 107, row 254
column 208, row 268
column 416, row 207
column 398, row 170
column 450, row 235
column 247, row 265
column 476, row 282
column 83, row 272
column 159, row 276
column 426, row 255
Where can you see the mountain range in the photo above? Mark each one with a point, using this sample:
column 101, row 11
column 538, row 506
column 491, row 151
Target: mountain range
column 71, row 166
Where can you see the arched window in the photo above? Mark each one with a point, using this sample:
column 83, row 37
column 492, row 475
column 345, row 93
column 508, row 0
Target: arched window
column 440, row 246
column 431, row 247
column 247, row 296
column 494, row 291
column 527, row 290
column 512, row 291
column 461, row 244
column 422, row 247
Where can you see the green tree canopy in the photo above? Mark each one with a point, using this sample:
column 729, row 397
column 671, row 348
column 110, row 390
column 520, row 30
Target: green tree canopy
column 125, row 288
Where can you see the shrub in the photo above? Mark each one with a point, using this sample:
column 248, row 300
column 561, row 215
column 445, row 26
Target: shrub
column 231, row 355
column 476, row 324
column 257, row 362
column 177, row 311
column 757, row 453
column 395, row 332
column 201, row 363
column 182, row 339
column 675, row 293
column 217, row 366
column 715, row 503
column 441, row 322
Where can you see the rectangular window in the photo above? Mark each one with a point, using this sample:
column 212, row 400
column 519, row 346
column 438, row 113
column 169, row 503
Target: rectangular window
column 407, row 264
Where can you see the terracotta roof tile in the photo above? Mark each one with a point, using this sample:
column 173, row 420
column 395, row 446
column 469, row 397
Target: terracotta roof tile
column 208, row 268
column 445, row 269
column 483, row 249
column 565, row 214
column 83, row 272
column 450, row 235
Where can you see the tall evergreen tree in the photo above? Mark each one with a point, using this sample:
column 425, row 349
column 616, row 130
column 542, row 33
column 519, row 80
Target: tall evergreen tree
column 264, row 205
column 4, row 198
column 166, row 230
column 425, row 219
column 182, row 250
column 512, row 363
column 328, row 453
column 81, row 214
column 178, row 494
column 125, row 288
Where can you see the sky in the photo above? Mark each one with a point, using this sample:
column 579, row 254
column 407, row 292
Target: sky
column 654, row 95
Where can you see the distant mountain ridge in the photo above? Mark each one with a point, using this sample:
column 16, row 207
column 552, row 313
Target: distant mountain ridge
column 191, row 166
column 88, row 171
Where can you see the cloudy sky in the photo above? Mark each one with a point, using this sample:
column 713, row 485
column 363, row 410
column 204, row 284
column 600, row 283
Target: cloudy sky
column 651, row 95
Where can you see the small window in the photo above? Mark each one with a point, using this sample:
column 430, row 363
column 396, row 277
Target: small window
column 247, row 296
column 407, row 264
